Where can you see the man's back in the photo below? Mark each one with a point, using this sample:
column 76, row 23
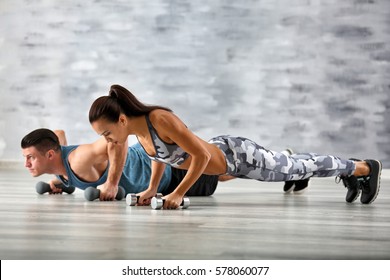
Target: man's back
column 137, row 171
column 135, row 175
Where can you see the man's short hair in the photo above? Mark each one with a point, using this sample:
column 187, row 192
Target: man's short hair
column 42, row 139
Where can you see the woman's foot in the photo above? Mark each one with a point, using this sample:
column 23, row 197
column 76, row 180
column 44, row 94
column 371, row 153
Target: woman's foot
column 370, row 183
column 353, row 187
column 352, row 183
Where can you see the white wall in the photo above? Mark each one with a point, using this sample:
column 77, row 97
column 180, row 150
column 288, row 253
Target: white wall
column 312, row 75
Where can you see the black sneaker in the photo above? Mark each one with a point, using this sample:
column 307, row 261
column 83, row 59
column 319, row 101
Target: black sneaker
column 352, row 184
column 289, row 186
column 370, row 184
column 301, row 185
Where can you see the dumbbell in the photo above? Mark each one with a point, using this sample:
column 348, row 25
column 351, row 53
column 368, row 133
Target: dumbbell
column 132, row 198
column 42, row 187
column 92, row 193
column 158, row 203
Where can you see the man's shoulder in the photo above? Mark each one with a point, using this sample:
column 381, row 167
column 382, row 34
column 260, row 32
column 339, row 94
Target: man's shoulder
column 66, row 150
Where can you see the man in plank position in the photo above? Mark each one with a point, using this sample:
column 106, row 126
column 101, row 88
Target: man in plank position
column 95, row 165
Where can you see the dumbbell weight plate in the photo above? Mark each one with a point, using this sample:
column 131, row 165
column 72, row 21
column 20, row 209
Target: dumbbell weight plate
column 157, row 203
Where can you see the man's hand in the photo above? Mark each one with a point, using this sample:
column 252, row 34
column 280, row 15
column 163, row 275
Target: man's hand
column 54, row 189
column 107, row 192
column 117, row 154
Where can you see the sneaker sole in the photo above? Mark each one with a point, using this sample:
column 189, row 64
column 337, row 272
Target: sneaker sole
column 379, row 183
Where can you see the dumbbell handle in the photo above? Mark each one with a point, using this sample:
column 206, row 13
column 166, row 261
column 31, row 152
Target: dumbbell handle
column 92, row 193
column 42, row 187
column 158, row 202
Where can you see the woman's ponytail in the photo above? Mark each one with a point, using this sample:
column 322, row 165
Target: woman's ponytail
column 119, row 100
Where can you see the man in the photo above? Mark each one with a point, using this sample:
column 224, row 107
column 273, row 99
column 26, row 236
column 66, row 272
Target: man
column 96, row 165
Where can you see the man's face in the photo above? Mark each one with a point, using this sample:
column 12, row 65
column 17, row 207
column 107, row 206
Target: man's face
column 36, row 163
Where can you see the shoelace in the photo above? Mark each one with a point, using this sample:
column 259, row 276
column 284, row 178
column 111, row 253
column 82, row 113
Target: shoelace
column 364, row 183
column 361, row 181
column 343, row 178
column 338, row 178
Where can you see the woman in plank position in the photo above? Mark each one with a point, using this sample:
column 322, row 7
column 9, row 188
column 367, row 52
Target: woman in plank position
column 167, row 140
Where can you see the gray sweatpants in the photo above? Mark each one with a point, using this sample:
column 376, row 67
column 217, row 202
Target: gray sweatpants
column 246, row 159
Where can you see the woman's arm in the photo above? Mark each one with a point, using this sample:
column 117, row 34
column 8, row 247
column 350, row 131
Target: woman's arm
column 171, row 129
column 158, row 169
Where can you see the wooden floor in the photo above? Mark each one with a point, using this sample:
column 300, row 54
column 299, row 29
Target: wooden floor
column 244, row 219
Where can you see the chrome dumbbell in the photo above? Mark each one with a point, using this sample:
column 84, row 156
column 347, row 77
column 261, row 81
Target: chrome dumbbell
column 132, row 198
column 158, row 203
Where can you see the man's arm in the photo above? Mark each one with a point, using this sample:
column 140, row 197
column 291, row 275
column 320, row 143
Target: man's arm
column 117, row 157
column 63, row 142
column 61, row 137
column 86, row 156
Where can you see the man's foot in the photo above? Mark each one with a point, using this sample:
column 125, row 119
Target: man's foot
column 301, row 185
column 289, row 186
column 297, row 187
column 370, row 184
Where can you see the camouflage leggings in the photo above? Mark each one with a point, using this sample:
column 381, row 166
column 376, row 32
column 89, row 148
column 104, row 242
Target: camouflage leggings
column 246, row 159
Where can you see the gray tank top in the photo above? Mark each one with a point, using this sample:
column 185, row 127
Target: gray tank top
column 170, row 154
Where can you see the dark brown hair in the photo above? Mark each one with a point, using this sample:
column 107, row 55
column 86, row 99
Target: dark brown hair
column 42, row 139
column 119, row 101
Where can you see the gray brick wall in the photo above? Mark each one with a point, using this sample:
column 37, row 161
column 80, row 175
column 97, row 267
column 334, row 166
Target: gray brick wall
column 308, row 74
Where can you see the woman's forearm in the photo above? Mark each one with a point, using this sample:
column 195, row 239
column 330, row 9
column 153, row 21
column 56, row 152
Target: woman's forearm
column 195, row 170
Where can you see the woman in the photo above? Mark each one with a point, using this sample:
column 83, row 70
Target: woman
column 167, row 140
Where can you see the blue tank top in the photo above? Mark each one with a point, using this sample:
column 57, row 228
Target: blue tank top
column 135, row 176
column 171, row 154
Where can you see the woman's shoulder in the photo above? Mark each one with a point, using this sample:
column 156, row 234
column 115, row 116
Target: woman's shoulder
column 160, row 115
column 164, row 119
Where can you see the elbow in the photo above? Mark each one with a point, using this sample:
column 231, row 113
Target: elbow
column 61, row 136
column 59, row 132
column 205, row 157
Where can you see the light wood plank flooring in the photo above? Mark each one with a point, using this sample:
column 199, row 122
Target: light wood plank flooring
column 244, row 219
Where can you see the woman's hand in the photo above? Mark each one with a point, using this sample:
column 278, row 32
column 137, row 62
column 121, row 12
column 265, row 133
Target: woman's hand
column 172, row 201
column 145, row 197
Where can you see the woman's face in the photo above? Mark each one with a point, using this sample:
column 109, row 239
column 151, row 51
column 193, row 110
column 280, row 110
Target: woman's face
column 114, row 132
